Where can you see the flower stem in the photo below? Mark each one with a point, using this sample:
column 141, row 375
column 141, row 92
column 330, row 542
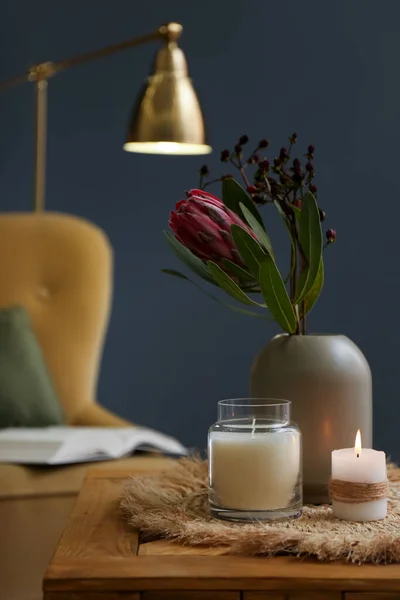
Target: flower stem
column 244, row 176
column 292, row 269
column 293, row 278
column 298, row 322
column 240, row 168
column 303, row 322
column 210, row 182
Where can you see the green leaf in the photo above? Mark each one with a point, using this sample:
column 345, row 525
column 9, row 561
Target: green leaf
column 310, row 239
column 231, row 306
column 296, row 211
column 292, row 241
column 174, row 273
column 315, row 291
column 292, row 268
column 243, row 275
column 249, row 249
column 193, row 262
column 260, row 232
column 233, row 195
column 275, row 295
column 228, row 285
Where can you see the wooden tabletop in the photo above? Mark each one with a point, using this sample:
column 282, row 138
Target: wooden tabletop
column 100, row 558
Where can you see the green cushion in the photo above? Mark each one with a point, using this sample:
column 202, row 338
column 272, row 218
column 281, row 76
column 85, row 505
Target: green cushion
column 27, row 396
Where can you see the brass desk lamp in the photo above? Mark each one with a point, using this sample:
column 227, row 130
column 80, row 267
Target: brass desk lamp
column 166, row 119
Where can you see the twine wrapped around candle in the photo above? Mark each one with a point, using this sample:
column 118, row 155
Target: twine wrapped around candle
column 352, row 492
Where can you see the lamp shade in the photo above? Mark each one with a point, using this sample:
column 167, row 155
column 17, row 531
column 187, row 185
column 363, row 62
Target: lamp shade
column 167, row 118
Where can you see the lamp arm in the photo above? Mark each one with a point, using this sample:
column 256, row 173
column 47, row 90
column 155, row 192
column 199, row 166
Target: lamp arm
column 107, row 51
column 169, row 33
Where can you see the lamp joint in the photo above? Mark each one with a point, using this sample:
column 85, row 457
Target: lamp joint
column 171, row 32
column 42, row 71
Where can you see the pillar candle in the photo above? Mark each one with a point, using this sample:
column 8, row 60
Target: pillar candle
column 359, row 465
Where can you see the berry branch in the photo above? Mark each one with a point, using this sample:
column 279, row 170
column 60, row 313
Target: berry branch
column 282, row 181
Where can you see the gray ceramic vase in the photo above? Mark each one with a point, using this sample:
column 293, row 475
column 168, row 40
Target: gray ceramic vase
column 328, row 380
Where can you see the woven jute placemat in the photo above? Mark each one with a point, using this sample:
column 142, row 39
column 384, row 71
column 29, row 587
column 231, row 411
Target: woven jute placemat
column 173, row 504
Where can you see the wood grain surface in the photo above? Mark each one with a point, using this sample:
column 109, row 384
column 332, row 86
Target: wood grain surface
column 100, row 558
column 84, row 595
column 164, row 548
column 372, row 596
column 95, row 529
column 292, row 596
column 180, row 595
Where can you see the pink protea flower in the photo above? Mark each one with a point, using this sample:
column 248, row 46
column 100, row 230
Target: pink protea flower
column 202, row 223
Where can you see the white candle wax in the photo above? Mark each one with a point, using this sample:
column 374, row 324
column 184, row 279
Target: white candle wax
column 254, row 471
column 368, row 467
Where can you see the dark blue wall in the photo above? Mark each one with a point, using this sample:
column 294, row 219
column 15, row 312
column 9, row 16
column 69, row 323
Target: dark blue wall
column 328, row 70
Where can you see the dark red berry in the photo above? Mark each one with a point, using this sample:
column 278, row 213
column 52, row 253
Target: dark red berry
column 313, row 188
column 204, row 170
column 238, row 149
column 298, row 177
column 253, row 159
column 225, row 154
column 331, row 236
column 322, row 215
column 283, row 153
column 264, row 165
column 293, row 138
column 243, row 139
column 310, row 149
column 298, row 203
column 296, row 165
column 251, row 189
column 263, row 143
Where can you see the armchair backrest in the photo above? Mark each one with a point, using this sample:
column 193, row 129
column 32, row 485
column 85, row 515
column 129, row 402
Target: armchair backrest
column 59, row 267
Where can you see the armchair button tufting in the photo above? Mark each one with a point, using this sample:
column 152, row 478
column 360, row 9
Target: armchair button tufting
column 43, row 292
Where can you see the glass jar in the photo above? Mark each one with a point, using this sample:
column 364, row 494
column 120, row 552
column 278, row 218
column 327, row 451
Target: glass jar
column 254, row 456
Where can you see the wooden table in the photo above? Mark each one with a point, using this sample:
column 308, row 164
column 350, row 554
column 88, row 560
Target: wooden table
column 100, row 558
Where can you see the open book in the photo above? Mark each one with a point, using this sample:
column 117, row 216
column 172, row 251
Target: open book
column 65, row 445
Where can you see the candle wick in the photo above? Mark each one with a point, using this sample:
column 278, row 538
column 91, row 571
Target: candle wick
column 253, row 427
column 358, row 456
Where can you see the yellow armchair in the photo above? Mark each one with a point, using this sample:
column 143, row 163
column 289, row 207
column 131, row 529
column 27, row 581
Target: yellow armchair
column 58, row 267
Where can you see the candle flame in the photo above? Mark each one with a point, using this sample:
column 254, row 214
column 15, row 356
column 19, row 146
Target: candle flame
column 357, row 446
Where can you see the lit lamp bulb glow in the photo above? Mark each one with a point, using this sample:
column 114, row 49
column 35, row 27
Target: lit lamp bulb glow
column 177, row 148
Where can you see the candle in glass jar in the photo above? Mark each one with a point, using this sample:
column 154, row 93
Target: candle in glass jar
column 254, row 471
column 359, row 465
